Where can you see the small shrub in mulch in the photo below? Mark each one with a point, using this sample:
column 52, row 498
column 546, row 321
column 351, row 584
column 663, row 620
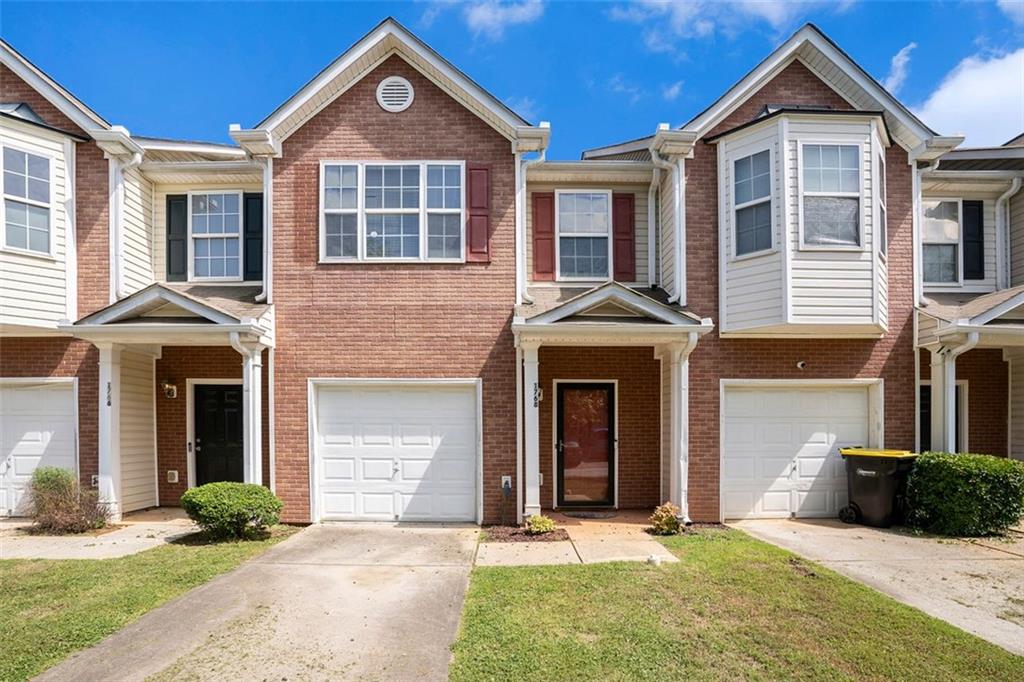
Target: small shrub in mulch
column 232, row 510
column 665, row 520
column 517, row 534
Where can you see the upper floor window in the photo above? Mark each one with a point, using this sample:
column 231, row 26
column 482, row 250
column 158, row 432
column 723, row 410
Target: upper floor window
column 883, row 211
column 583, row 226
column 215, row 221
column 752, row 197
column 26, row 205
column 940, row 226
column 392, row 211
column 831, row 195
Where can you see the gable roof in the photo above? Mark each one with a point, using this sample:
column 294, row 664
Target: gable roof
column 84, row 117
column 204, row 303
column 387, row 38
column 614, row 300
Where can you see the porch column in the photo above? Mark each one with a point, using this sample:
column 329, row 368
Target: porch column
column 679, row 417
column 109, row 469
column 938, row 393
column 252, row 409
column 531, row 420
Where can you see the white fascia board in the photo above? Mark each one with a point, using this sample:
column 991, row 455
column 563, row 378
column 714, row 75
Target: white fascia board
column 152, row 294
column 673, row 143
column 190, row 147
column 614, row 293
column 999, row 310
column 82, row 116
column 256, row 141
column 117, row 141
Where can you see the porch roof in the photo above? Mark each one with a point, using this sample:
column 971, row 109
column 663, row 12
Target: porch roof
column 997, row 318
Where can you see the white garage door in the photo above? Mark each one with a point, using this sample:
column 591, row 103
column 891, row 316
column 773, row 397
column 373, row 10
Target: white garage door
column 781, row 445
column 37, row 428
column 401, row 452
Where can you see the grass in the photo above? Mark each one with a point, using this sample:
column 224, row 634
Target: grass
column 733, row 608
column 50, row 609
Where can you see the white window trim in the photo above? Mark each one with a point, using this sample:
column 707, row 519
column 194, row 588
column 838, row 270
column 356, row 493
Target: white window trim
column 51, row 253
column 882, row 206
column 959, row 243
column 609, row 235
column 240, row 235
column 859, row 195
column 772, row 197
column 361, row 211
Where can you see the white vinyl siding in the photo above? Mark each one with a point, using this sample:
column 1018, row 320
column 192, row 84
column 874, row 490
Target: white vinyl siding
column 666, row 233
column 138, row 426
column 33, row 287
column 138, row 231
column 988, row 216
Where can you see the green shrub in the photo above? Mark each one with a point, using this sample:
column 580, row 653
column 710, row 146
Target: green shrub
column 538, row 524
column 965, row 495
column 665, row 520
column 59, row 505
column 232, row 510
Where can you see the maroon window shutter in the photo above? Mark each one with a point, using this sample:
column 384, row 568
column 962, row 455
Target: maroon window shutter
column 543, row 236
column 478, row 213
column 624, row 237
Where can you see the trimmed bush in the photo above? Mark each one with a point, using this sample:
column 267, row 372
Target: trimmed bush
column 665, row 520
column 965, row 495
column 232, row 510
column 539, row 524
column 59, row 505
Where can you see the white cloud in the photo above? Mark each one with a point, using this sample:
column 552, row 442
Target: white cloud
column 982, row 98
column 1013, row 9
column 898, row 69
column 672, row 91
column 631, row 92
column 524, row 106
column 491, row 17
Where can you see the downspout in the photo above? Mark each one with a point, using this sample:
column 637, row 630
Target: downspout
column 677, row 215
column 1003, row 232
column 519, row 433
column 522, row 165
column 652, row 234
column 949, row 387
column 683, row 438
column 266, row 294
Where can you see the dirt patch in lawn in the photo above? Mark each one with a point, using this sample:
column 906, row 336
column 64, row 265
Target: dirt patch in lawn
column 516, row 534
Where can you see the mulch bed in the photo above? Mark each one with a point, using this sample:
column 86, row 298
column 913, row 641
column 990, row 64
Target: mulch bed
column 516, row 534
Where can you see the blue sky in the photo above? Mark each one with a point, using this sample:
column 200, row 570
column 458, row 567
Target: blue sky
column 599, row 72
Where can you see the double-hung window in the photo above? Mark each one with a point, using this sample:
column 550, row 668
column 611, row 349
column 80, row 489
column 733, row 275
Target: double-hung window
column 831, row 195
column 940, row 226
column 392, row 211
column 215, row 220
column 583, row 225
column 26, row 201
column 752, row 199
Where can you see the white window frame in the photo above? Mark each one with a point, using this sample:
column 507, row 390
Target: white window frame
column 241, row 232
column 51, row 253
column 772, row 197
column 362, row 211
column 882, row 229
column 558, row 236
column 859, row 195
column 959, row 243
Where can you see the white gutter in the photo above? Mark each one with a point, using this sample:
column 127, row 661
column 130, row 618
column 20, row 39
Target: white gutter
column 1003, row 243
column 677, row 203
column 266, row 294
column 652, row 234
column 522, row 165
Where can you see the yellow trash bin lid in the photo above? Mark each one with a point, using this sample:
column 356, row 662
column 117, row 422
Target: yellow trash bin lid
column 876, row 452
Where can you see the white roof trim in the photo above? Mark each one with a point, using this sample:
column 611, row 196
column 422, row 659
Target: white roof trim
column 613, row 292
column 137, row 304
column 82, row 116
column 999, row 310
column 150, row 144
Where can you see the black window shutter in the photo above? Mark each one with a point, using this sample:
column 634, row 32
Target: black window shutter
column 253, row 237
column 974, row 240
column 177, row 237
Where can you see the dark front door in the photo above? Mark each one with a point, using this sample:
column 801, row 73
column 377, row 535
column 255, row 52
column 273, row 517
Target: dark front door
column 218, row 433
column 586, row 445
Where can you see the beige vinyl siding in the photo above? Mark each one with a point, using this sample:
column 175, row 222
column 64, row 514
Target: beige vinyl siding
column 1017, row 241
column 137, row 231
column 926, row 328
column 988, row 214
column 754, row 285
column 639, row 193
column 138, row 425
column 160, row 193
column 831, row 287
column 667, row 233
column 33, row 288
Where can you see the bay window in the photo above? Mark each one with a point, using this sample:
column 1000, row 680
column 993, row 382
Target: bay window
column 883, row 211
column 392, row 211
column 583, row 227
column 26, row 201
column 830, row 196
column 940, row 225
column 214, row 225
column 752, row 199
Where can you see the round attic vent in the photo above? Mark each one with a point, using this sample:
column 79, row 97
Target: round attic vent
column 394, row 94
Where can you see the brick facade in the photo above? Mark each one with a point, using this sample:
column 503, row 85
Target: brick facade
column 891, row 357
column 638, row 374
column 390, row 320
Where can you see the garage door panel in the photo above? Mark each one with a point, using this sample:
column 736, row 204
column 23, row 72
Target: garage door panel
column 339, row 469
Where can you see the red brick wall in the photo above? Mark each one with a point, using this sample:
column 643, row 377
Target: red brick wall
column 639, row 414
column 988, row 394
column 714, row 358
column 59, row 357
column 176, row 365
column 390, row 320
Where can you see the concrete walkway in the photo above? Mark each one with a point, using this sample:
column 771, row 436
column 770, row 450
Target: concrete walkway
column 353, row 601
column 977, row 586
column 622, row 537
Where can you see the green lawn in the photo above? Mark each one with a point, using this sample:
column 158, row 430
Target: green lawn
column 50, row 609
column 733, row 608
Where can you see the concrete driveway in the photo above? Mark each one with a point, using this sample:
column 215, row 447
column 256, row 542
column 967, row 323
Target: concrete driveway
column 977, row 586
column 353, row 601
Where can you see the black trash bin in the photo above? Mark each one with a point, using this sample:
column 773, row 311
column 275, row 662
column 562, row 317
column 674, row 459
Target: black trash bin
column 876, row 483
